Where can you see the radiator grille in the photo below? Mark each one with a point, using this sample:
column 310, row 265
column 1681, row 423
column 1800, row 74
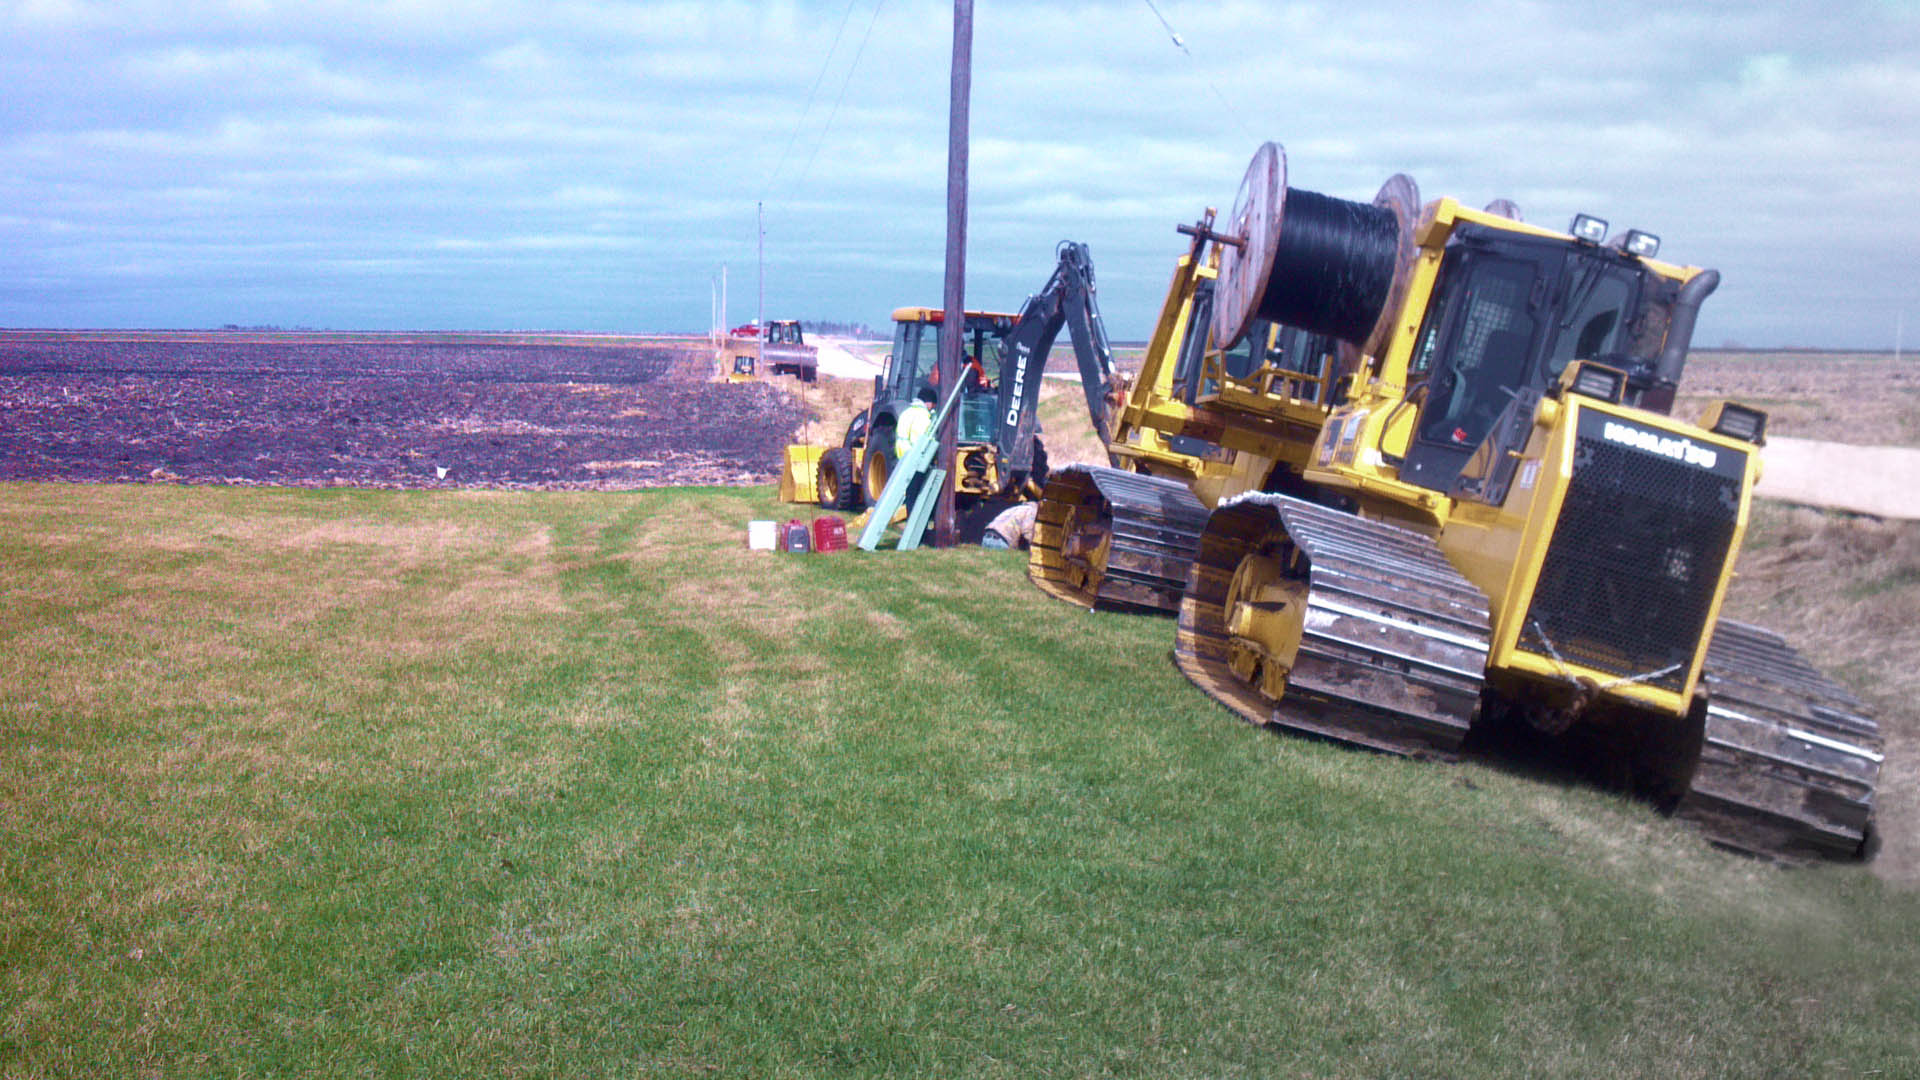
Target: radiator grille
column 1634, row 561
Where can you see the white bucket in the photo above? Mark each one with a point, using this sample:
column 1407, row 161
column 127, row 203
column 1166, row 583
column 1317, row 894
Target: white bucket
column 763, row 535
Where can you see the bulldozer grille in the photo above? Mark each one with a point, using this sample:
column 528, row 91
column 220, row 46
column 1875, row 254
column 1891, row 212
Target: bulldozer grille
column 1635, row 560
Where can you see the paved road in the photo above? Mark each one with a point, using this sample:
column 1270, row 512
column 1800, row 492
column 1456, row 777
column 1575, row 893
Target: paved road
column 1880, row 480
column 837, row 360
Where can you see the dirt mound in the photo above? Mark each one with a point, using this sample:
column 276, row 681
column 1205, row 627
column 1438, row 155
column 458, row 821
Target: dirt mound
column 386, row 414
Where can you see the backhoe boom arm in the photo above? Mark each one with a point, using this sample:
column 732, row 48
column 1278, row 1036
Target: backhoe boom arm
column 1067, row 300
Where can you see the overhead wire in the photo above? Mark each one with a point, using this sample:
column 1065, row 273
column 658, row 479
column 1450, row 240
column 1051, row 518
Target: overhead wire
column 794, row 135
column 1171, row 32
column 1181, row 44
column 858, row 52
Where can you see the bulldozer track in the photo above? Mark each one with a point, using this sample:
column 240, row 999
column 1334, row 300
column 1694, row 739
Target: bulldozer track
column 1395, row 641
column 1147, row 529
column 1789, row 762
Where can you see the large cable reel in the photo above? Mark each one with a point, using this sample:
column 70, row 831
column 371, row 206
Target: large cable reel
column 1323, row 264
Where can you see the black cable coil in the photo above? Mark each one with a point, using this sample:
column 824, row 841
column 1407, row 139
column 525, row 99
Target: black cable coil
column 1333, row 267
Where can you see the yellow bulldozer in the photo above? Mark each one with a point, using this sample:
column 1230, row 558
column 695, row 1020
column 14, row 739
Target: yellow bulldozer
column 1473, row 517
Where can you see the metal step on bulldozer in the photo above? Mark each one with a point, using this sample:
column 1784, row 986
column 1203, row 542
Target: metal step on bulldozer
column 1408, row 475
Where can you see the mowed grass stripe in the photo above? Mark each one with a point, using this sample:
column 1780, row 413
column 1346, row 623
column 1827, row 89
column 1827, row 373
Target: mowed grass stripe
column 336, row 783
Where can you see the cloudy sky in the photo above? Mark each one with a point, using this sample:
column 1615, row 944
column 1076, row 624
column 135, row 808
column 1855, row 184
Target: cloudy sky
column 437, row 164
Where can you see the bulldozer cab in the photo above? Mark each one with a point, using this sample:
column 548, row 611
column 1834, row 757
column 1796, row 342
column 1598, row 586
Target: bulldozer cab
column 1510, row 312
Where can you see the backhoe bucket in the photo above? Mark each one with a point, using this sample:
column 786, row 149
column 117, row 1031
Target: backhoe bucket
column 797, row 479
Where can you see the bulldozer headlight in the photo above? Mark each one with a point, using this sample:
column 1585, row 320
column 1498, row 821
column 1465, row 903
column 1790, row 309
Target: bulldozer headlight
column 1597, row 381
column 1643, row 244
column 1740, row 422
column 1589, row 228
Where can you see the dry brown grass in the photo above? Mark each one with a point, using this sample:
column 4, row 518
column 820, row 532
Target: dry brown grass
column 1870, row 400
column 1844, row 590
column 833, row 402
column 1070, row 437
column 1068, row 434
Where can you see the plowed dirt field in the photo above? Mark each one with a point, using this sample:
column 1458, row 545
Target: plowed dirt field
column 363, row 411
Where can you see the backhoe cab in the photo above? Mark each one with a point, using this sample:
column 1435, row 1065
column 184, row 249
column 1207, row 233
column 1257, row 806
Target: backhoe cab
column 853, row 474
column 999, row 452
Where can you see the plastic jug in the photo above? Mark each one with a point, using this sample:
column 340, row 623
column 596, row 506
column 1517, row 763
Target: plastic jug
column 829, row 533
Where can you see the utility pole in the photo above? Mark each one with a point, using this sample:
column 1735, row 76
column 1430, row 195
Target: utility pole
column 760, row 308
column 953, row 325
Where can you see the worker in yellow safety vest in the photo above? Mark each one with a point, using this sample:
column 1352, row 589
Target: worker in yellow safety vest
column 913, row 423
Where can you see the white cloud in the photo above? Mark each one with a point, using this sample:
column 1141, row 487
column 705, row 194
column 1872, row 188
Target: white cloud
column 336, row 147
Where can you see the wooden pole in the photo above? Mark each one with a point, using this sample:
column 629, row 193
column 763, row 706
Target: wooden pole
column 953, row 326
column 760, row 305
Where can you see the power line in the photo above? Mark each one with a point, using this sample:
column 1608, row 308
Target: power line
column 825, row 62
column 851, row 68
column 1171, row 32
column 1181, row 44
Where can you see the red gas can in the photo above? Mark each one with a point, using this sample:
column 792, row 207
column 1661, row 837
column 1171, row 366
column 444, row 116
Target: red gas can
column 795, row 538
column 829, row 533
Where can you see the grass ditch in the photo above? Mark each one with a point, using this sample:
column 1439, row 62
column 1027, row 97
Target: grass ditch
column 429, row 783
column 1843, row 588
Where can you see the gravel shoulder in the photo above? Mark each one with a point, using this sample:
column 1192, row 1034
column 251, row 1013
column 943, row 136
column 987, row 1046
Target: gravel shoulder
column 1883, row 481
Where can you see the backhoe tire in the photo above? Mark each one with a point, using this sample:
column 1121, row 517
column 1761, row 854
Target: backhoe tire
column 836, row 481
column 877, row 466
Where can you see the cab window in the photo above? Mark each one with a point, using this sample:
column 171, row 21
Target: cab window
column 1488, row 357
column 1595, row 323
column 988, row 347
column 900, row 364
column 1246, row 357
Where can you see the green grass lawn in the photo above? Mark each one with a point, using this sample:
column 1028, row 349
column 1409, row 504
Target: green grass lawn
column 492, row 784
